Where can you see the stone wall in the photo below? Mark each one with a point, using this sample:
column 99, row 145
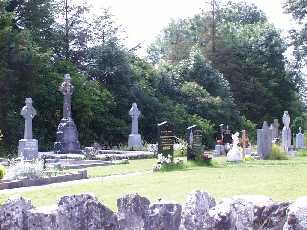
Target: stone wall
column 200, row 211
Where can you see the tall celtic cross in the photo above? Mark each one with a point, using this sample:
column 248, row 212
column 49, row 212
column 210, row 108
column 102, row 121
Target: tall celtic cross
column 67, row 90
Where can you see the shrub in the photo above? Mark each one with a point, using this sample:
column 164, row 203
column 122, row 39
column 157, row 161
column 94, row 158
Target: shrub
column 24, row 169
column 277, row 153
column 2, row 171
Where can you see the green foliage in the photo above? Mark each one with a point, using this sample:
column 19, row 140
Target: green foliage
column 2, row 171
column 277, row 153
column 250, row 127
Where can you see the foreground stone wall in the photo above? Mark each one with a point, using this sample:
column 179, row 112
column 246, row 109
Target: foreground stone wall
column 200, row 211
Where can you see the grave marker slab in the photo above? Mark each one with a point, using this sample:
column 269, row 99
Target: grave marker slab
column 286, row 132
column 299, row 143
column 194, row 140
column 166, row 139
column 264, row 141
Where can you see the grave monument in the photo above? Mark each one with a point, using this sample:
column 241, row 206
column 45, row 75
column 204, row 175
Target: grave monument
column 166, row 139
column 286, row 132
column 234, row 153
column 134, row 139
column 67, row 133
column 264, row 141
column 28, row 147
column 299, row 141
column 194, row 140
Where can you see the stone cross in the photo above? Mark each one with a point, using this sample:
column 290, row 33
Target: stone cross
column 28, row 113
column 135, row 114
column 67, row 90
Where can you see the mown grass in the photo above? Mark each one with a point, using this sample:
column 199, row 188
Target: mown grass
column 282, row 180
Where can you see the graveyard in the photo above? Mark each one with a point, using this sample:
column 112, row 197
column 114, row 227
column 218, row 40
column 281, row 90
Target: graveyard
column 203, row 128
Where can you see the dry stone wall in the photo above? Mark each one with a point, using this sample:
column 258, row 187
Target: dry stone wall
column 200, row 211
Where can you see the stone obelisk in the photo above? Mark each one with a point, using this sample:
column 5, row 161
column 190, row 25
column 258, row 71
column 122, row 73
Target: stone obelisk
column 135, row 139
column 28, row 147
column 67, row 133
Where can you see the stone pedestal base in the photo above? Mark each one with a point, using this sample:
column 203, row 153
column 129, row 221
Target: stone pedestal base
column 234, row 155
column 67, row 138
column 134, row 140
column 28, row 149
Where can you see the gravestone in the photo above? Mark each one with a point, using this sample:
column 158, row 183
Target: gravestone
column 134, row 139
column 219, row 147
column 275, row 133
column 264, row 141
column 166, row 139
column 28, row 147
column 67, row 133
column 299, row 142
column 286, row 132
column 245, row 144
column 195, row 145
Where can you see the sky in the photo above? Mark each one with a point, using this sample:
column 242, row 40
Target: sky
column 144, row 19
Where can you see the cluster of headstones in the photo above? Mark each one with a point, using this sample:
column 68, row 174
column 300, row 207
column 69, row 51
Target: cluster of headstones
column 268, row 135
column 67, row 137
column 167, row 139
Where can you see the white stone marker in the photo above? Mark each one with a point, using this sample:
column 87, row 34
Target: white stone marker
column 135, row 139
column 286, row 132
column 299, row 143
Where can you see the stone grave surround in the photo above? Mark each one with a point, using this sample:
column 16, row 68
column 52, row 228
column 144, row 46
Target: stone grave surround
column 199, row 212
column 264, row 141
column 67, row 134
column 134, row 139
column 28, row 147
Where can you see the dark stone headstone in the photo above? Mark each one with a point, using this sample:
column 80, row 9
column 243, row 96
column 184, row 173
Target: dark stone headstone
column 166, row 139
column 194, row 140
column 227, row 136
column 67, row 134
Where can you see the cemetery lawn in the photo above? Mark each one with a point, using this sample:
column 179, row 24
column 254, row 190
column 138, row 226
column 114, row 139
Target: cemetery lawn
column 281, row 180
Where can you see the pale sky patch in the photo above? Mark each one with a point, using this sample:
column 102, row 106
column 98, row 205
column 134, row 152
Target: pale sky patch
column 144, row 19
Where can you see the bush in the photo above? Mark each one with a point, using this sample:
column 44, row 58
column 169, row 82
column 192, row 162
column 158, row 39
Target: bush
column 2, row 171
column 302, row 153
column 24, row 169
column 277, row 153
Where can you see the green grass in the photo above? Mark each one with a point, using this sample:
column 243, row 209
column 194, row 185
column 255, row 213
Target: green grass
column 133, row 166
column 281, row 180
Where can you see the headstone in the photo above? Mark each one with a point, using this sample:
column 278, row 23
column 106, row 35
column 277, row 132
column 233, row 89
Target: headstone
column 67, row 133
column 245, row 144
column 219, row 147
column 28, row 147
column 286, row 132
column 194, row 140
column 134, row 139
column 166, row 139
column 234, row 153
column 264, row 141
column 227, row 136
column 299, row 139
column 275, row 133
